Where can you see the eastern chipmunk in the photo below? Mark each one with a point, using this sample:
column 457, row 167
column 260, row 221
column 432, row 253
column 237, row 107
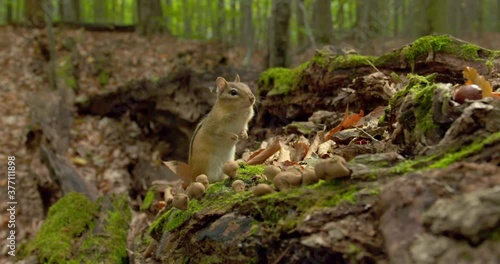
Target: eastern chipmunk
column 214, row 140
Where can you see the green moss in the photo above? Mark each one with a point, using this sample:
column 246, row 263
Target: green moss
column 441, row 43
column 422, row 89
column 148, row 200
column 68, row 219
column 276, row 81
column 247, row 171
column 466, row 151
column 489, row 64
column 341, row 61
column 114, row 236
column 413, row 165
column 69, row 234
column 443, row 161
column 347, row 195
column 219, row 196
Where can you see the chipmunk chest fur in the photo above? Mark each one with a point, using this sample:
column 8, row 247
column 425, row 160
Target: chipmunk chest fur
column 215, row 138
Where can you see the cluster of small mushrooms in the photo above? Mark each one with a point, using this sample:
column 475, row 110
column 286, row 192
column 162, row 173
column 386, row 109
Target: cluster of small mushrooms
column 292, row 176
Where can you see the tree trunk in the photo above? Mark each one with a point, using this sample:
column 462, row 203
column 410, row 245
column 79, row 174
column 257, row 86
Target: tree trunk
column 149, row 16
column 235, row 32
column 49, row 12
column 33, row 13
column 322, row 21
column 279, row 35
column 9, row 12
column 99, row 11
column 219, row 20
column 246, row 7
column 186, row 15
column 301, row 26
column 70, row 11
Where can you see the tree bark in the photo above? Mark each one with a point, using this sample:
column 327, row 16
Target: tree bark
column 70, row 11
column 9, row 12
column 246, row 7
column 322, row 21
column 186, row 15
column 279, row 35
column 149, row 16
column 301, row 26
column 33, row 13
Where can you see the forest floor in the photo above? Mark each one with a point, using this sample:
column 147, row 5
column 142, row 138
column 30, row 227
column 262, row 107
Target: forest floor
column 106, row 61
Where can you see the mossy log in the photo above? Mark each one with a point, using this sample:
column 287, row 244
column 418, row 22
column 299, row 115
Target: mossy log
column 78, row 230
column 325, row 81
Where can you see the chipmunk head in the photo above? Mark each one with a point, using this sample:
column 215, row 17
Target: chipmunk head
column 236, row 94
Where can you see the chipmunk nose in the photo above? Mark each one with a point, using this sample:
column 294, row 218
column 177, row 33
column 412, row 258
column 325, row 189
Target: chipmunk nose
column 252, row 99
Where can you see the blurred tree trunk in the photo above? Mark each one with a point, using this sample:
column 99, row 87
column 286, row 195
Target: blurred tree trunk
column 301, row 35
column 435, row 17
column 33, row 13
column 99, row 11
column 9, row 12
column 49, row 13
column 186, row 15
column 279, row 35
column 70, row 11
column 322, row 21
column 246, row 7
column 219, row 20
column 149, row 16
column 235, row 32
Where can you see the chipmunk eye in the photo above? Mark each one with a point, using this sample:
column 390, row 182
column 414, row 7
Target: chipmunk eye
column 233, row 92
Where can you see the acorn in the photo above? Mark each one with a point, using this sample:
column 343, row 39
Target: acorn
column 309, row 177
column 230, row 168
column 332, row 168
column 238, row 186
column 196, row 190
column 287, row 179
column 181, row 201
column 270, row 171
column 471, row 92
column 261, row 189
column 202, row 178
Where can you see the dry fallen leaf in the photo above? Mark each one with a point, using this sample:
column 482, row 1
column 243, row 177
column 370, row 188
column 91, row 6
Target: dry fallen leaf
column 266, row 153
column 181, row 169
column 473, row 77
column 347, row 122
column 318, row 139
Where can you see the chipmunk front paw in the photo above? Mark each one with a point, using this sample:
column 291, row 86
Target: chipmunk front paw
column 243, row 135
column 234, row 136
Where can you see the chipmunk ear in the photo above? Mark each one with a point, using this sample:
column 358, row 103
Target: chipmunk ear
column 237, row 80
column 221, row 84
